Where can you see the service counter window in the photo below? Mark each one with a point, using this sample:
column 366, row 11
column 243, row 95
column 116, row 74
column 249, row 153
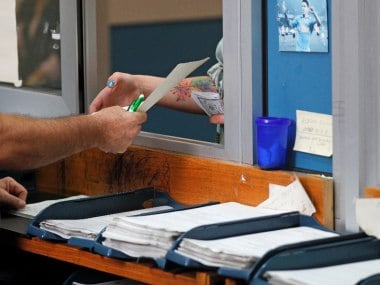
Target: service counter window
column 40, row 54
column 38, row 39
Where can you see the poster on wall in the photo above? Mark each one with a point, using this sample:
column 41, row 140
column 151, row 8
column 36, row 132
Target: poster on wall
column 302, row 25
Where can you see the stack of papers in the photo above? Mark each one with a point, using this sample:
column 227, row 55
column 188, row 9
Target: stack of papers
column 347, row 274
column 243, row 251
column 32, row 209
column 152, row 236
column 91, row 227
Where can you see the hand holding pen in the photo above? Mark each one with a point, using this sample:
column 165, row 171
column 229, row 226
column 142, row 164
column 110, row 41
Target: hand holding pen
column 134, row 106
column 120, row 90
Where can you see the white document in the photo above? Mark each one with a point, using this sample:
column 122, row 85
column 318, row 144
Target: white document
column 160, row 230
column 242, row 251
column 367, row 215
column 8, row 45
column 314, row 133
column 89, row 228
column 210, row 102
column 291, row 198
column 31, row 210
column 347, row 274
column 181, row 71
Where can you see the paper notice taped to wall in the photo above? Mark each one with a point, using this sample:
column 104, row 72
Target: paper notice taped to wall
column 314, row 133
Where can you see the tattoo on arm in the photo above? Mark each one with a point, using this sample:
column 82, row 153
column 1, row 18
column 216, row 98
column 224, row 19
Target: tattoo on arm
column 185, row 87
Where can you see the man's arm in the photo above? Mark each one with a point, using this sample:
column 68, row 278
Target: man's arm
column 284, row 10
column 126, row 87
column 179, row 98
column 27, row 143
column 315, row 16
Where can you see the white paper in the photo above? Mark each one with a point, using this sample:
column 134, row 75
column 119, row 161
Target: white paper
column 153, row 235
column 181, row 221
column 367, row 215
column 347, row 274
column 89, row 228
column 314, row 133
column 242, row 251
column 8, row 45
column 32, row 209
column 275, row 189
column 292, row 198
column 181, row 71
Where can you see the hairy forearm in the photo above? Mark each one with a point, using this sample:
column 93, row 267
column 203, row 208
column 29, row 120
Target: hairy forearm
column 179, row 98
column 27, row 143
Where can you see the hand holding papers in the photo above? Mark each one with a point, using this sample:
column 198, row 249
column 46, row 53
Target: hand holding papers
column 181, row 71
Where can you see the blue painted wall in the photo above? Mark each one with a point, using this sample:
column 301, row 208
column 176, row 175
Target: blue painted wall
column 294, row 80
column 297, row 81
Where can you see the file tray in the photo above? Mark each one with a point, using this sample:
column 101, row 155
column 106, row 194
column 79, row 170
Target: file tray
column 114, row 253
column 340, row 250
column 89, row 207
column 235, row 228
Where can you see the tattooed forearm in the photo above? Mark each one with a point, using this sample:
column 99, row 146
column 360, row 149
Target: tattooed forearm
column 186, row 86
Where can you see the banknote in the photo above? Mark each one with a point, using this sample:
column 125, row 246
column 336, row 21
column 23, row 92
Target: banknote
column 210, row 102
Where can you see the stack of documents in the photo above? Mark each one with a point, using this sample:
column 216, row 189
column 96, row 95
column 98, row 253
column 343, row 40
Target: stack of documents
column 91, row 227
column 32, row 209
column 347, row 274
column 243, row 251
column 152, row 235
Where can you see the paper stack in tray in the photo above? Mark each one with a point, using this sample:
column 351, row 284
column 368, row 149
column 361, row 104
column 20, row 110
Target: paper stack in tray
column 243, row 251
column 152, row 235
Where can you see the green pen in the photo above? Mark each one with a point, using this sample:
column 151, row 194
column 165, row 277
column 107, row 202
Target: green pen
column 136, row 103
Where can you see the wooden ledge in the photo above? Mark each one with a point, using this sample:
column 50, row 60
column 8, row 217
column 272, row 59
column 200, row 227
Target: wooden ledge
column 372, row 192
column 187, row 179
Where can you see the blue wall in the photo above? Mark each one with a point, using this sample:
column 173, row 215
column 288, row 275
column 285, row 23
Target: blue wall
column 294, row 80
column 297, row 81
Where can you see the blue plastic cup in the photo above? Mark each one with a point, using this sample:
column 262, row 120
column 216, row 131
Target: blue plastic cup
column 272, row 142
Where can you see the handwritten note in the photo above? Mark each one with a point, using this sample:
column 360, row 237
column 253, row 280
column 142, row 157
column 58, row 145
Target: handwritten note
column 8, row 44
column 314, row 133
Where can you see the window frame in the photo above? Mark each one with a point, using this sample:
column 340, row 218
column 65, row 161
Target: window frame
column 67, row 101
column 238, row 58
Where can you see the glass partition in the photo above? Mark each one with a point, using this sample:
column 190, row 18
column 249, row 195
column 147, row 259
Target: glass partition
column 43, row 56
column 236, row 30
